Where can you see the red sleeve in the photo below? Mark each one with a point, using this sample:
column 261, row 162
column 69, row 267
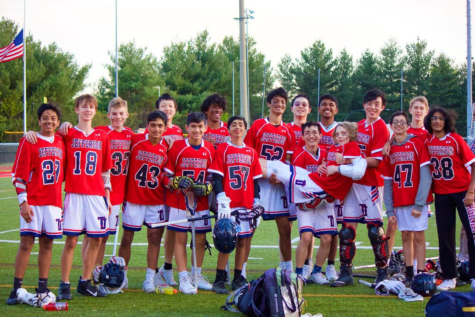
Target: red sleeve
column 351, row 150
column 379, row 140
column 385, row 168
column 465, row 154
column 424, row 158
column 217, row 166
column 22, row 166
column 106, row 154
column 256, row 167
column 170, row 165
column 292, row 143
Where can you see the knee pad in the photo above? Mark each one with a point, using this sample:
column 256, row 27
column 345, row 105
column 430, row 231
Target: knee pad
column 380, row 245
column 347, row 236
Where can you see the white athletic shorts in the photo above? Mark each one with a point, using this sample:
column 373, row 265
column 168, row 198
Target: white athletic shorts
column 338, row 211
column 364, row 204
column 244, row 229
column 298, row 185
column 292, row 212
column 320, row 220
column 114, row 219
column 85, row 214
column 201, row 226
column 47, row 221
column 274, row 200
column 135, row 216
column 406, row 222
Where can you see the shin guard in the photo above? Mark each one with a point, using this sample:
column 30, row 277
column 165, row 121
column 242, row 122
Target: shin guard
column 379, row 241
column 347, row 236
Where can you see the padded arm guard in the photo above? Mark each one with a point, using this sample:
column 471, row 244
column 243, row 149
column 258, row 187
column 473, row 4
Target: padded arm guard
column 356, row 170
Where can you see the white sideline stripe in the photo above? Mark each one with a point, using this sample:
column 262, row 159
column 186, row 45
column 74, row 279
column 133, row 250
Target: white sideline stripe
column 255, row 258
column 295, row 240
column 7, row 190
column 358, row 242
column 8, row 198
column 9, row 231
column 254, row 246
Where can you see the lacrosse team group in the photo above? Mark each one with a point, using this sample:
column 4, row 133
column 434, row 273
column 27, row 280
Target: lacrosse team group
column 321, row 174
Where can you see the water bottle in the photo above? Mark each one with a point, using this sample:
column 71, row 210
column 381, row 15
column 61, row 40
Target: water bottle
column 165, row 289
column 55, row 306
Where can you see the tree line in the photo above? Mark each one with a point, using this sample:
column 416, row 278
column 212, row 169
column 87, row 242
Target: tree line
column 191, row 70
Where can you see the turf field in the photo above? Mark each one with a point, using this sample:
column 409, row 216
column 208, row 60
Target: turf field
column 357, row 300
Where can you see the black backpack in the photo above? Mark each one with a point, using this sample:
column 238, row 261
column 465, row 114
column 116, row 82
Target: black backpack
column 276, row 293
column 451, row 304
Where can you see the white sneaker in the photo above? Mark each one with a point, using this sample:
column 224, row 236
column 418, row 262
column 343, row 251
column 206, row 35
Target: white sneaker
column 319, row 278
column 307, row 269
column 158, row 281
column 186, row 287
column 332, row 274
column 447, row 284
column 202, row 283
column 473, row 284
column 26, row 298
column 148, row 286
column 167, row 276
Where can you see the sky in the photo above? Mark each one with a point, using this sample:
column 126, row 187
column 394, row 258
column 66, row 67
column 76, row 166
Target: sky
column 86, row 28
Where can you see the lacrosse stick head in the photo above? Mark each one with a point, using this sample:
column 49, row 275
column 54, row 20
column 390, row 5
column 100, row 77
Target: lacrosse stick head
column 191, row 201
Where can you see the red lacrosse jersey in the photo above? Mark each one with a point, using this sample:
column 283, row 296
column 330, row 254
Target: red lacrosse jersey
column 271, row 142
column 220, row 135
column 120, row 149
column 87, row 157
column 403, row 167
column 304, row 159
column 371, row 139
column 173, row 133
column 337, row 185
column 298, row 135
column 184, row 160
column 144, row 186
column 239, row 167
column 350, row 150
column 39, row 170
column 420, row 132
column 450, row 157
column 327, row 134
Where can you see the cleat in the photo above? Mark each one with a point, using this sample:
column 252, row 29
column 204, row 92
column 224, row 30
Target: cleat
column 382, row 275
column 13, row 299
column 331, row 273
column 220, row 288
column 186, row 287
column 167, row 276
column 148, row 286
column 64, row 291
column 87, row 289
column 239, row 282
column 346, row 276
column 158, row 281
column 319, row 278
column 447, row 284
column 202, row 283
column 307, row 270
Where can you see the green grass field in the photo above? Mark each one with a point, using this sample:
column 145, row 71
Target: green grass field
column 349, row 301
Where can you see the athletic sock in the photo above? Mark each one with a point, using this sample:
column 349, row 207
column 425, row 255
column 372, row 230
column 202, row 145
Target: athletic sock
column 307, row 262
column 414, row 263
column 288, row 265
column 182, row 274
column 330, row 262
column 237, row 274
column 193, row 269
column 220, row 276
column 243, row 273
column 17, row 282
column 316, row 269
column 167, row 266
column 299, row 270
column 149, row 275
column 42, row 285
column 409, row 271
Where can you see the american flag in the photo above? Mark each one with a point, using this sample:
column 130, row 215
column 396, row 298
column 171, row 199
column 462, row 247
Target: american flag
column 14, row 50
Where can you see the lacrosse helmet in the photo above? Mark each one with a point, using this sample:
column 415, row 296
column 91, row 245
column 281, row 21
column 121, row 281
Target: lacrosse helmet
column 225, row 235
column 112, row 275
column 424, row 284
column 463, row 271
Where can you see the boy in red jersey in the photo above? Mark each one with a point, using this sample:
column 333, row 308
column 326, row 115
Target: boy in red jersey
column 274, row 141
column 418, row 108
column 213, row 107
column 37, row 175
column 407, row 182
column 454, row 187
column 364, row 202
column 235, row 170
column 144, row 195
column 87, row 204
column 188, row 163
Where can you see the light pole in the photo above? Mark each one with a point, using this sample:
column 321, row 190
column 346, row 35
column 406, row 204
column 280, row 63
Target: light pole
column 248, row 15
column 158, row 87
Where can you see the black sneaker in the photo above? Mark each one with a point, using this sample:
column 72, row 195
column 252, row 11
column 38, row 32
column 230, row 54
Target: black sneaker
column 239, row 282
column 13, row 299
column 382, row 275
column 86, row 288
column 220, row 287
column 64, row 291
column 346, row 276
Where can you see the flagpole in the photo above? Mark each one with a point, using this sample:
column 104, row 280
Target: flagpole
column 24, row 66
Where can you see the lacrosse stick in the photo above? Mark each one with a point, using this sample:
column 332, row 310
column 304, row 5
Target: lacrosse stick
column 365, row 283
column 116, row 238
